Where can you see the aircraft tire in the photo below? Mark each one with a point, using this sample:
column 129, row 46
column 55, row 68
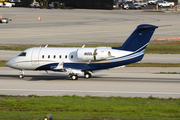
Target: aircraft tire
column 74, row 77
column 21, row 76
column 87, row 75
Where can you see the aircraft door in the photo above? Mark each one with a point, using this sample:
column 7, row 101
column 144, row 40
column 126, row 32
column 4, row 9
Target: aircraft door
column 35, row 56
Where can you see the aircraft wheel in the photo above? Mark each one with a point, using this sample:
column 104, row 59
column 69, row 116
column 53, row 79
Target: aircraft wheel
column 87, row 75
column 21, row 76
column 74, row 77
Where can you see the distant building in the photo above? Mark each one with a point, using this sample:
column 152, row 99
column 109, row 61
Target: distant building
column 82, row 4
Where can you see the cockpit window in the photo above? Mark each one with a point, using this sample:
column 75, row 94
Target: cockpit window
column 22, row 54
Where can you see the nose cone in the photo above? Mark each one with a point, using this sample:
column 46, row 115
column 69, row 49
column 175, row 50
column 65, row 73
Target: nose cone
column 8, row 64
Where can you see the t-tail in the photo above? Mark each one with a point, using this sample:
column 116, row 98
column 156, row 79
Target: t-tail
column 139, row 39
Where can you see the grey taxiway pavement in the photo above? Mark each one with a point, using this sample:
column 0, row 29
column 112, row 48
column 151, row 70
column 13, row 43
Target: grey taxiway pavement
column 79, row 26
column 127, row 82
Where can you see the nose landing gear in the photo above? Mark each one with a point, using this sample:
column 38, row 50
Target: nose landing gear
column 21, row 74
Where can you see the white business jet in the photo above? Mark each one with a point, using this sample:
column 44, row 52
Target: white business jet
column 84, row 60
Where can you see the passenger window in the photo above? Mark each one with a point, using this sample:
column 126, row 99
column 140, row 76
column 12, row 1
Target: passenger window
column 48, row 56
column 60, row 56
column 71, row 56
column 22, row 54
column 54, row 56
column 42, row 56
column 66, row 56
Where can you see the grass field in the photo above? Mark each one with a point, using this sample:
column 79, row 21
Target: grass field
column 159, row 47
column 91, row 108
column 164, row 48
column 154, row 65
column 168, row 73
column 2, row 63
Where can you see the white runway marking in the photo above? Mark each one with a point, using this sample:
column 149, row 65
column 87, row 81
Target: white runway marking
column 87, row 91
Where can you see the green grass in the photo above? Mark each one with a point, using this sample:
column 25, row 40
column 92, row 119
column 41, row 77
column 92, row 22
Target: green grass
column 15, row 48
column 159, row 47
column 154, row 65
column 22, row 48
column 2, row 63
column 164, row 48
column 91, row 108
column 168, row 73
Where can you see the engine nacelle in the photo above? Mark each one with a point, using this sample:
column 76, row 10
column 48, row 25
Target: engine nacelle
column 93, row 54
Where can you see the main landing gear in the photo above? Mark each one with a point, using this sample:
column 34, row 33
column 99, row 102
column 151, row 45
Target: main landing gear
column 21, row 74
column 75, row 76
column 87, row 75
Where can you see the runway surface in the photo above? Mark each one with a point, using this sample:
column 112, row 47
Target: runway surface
column 116, row 82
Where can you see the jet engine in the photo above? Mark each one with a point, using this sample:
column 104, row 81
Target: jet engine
column 93, row 54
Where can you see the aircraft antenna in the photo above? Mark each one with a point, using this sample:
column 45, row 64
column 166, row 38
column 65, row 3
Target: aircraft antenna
column 83, row 46
column 46, row 46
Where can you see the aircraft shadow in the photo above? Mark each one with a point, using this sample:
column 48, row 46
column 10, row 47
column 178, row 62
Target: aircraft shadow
column 42, row 77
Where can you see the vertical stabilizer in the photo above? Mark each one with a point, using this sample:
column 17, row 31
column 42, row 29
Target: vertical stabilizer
column 139, row 39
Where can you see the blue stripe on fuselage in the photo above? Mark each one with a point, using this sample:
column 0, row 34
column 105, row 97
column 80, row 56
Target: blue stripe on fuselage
column 93, row 66
column 47, row 66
